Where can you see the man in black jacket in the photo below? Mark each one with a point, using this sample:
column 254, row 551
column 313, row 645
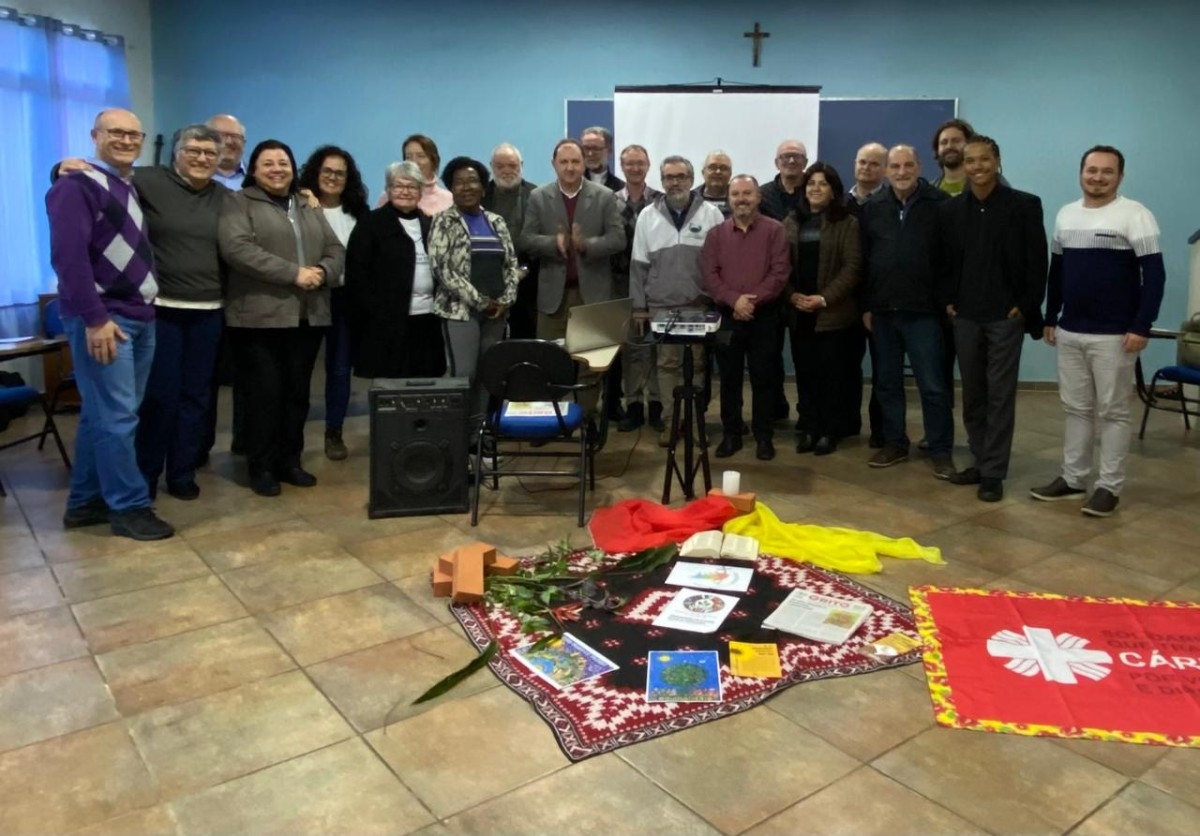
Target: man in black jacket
column 902, row 235
column 996, row 278
column 508, row 195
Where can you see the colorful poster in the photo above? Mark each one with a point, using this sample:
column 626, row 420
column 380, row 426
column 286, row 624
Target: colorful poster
column 564, row 661
column 683, row 676
column 696, row 611
column 1042, row 664
column 711, row 576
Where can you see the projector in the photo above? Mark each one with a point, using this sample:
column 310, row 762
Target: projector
column 686, row 323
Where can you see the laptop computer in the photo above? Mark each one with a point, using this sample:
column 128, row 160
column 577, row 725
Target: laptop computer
column 599, row 325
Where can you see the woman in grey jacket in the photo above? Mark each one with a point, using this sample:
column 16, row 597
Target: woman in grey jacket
column 280, row 254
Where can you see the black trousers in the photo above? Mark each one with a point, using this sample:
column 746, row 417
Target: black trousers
column 874, row 411
column 275, row 367
column 828, row 378
column 751, row 344
column 989, row 359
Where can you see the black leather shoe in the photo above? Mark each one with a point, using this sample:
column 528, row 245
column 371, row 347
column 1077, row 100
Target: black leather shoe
column 186, row 491
column 804, row 443
column 264, row 484
column 970, row 476
column 764, row 450
column 824, row 446
column 94, row 513
column 297, row 476
column 729, row 445
column 991, row 490
column 875, row 442
column 140, row 524
column 634, row 418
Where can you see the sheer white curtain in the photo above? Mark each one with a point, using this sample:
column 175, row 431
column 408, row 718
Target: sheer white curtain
column 54, row 78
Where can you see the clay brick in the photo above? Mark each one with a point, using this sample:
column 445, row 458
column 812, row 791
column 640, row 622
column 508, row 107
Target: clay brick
column 445, row 563
column 468, row 574
column 503, row 566
column 743, row 502
column 486, row 552
column 443, row 584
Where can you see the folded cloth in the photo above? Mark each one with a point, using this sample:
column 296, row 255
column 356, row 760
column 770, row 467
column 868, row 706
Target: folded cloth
column 842, row 549
column 636, row 524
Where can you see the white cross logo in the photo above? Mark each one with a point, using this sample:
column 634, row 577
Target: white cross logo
column 1057, row 658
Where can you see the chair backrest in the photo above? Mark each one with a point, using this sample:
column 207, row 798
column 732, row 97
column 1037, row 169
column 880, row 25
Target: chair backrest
column 526, row 370
column 52, row 324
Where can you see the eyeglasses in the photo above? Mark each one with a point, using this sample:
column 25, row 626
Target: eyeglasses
column 232, row 137
column 334, row 174
column 128, row 136
column 717, row 167
column 404, row 187
column 792, row 158
column 198, row 153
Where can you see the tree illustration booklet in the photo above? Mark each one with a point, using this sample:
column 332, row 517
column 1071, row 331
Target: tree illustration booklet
column 683, row 676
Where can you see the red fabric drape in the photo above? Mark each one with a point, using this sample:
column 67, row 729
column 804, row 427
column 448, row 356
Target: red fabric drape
column 637, row 524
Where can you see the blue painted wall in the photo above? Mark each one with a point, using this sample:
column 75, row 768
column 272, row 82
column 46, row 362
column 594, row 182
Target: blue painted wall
column 1047, row 79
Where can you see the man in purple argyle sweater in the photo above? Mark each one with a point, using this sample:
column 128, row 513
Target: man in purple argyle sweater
column 106, row 287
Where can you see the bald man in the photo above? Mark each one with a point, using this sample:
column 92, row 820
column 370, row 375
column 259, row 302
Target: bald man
column 230, row 170
column 869, row 164
column 106, row 287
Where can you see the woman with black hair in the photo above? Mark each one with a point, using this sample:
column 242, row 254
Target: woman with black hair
column 475, row 274
column 281, row 255
column 826, row 340
column 333, row 178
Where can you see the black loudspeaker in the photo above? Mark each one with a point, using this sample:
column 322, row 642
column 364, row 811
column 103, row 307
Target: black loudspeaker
column 418, row 447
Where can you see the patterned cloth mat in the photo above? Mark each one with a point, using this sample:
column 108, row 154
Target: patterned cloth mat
column 611, row 711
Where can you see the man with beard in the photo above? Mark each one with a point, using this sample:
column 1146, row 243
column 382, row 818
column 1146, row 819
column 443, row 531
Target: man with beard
column 665, row 271
column 597, row 150
column 869, row 164
column 638, row 359
column 996, row 263
column 781, row 196
column 717, row 170
column 1105, row 288
column 508, row 196
column 948, row 143
column 230, row 170
column 745, row 263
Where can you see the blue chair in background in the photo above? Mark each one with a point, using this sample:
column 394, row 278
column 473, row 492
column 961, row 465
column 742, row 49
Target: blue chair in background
column 1178, row 401
column 52, row 329
column 19, row 396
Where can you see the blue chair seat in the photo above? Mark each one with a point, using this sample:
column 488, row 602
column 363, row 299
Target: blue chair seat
column 1177, row 402
column 1180, row 374
column 540, row 426
column 18, row 395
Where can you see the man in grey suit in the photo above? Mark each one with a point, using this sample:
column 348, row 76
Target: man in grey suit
column 574, row 227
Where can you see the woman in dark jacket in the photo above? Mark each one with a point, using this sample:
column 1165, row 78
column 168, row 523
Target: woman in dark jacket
column 827, row 342
column 281, row 255
column 390, row 286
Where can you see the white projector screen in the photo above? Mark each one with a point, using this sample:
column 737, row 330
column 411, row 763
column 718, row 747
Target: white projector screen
column 746, row 123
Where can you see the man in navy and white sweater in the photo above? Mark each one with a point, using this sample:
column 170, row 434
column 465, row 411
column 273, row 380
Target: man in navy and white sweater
column 1104, row 290
column 105, row 266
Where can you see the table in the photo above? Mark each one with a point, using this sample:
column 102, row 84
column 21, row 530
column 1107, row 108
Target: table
column 31, row 348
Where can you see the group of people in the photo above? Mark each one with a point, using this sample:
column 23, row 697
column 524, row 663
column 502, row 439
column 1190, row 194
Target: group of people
column 164, row 268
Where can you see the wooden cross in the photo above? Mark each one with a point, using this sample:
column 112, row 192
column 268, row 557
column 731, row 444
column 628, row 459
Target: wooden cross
column 758, row 34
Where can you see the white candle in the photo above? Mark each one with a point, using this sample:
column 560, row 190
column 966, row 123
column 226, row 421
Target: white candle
column 731, row 482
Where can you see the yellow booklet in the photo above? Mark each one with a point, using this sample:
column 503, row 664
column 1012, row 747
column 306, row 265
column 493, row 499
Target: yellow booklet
column 760, row 661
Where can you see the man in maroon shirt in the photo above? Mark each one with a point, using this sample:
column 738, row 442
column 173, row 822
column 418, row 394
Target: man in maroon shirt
column 745, row 262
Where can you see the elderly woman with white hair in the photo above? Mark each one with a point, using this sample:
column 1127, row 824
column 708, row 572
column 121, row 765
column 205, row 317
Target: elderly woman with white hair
column 390, row 288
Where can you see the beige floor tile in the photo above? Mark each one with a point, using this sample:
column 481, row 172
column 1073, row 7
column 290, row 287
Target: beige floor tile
column 149, row 614
column 1030, row 785
column 26, row 591
column 1138, row 547
column 410, row 553
column 1132, row 759
column 1072, row 574
column 986, row 547
column 210, row 740
column 767, row 783
column 65, row 783
column 1142, row 809
column 344, row 623
column 60, row 546
column 99, row 577
column 39, row 638
column 227, row 550
column 53, row 701
column 1179, row 774
column 618, row 801
column 190, row 665
column 152, row 821
column 861, row 804
column 898, row 575
column 354, row 528
column 468, row 738
column 1059, row 524
column 1189, row 591
column 297, row 578
column 21, row 551
column 419, row 591
column 242, row 511
column 519, row 532
column 376, row 686
column 344, row 788
column 863, row 715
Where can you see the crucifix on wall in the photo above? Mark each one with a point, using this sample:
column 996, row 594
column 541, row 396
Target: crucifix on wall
column 758, row 34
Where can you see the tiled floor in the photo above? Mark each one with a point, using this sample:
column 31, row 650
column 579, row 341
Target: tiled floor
column 254, row 674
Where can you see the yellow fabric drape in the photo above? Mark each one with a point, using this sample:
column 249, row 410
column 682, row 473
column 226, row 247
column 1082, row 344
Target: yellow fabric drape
column 842, row 549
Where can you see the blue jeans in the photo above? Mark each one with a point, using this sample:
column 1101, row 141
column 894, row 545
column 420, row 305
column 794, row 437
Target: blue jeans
column 172, row 419
column 896, row 333
column 105, row 459
column 337, row 361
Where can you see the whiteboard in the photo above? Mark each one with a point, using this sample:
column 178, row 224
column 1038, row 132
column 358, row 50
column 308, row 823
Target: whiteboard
column 747, row 123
